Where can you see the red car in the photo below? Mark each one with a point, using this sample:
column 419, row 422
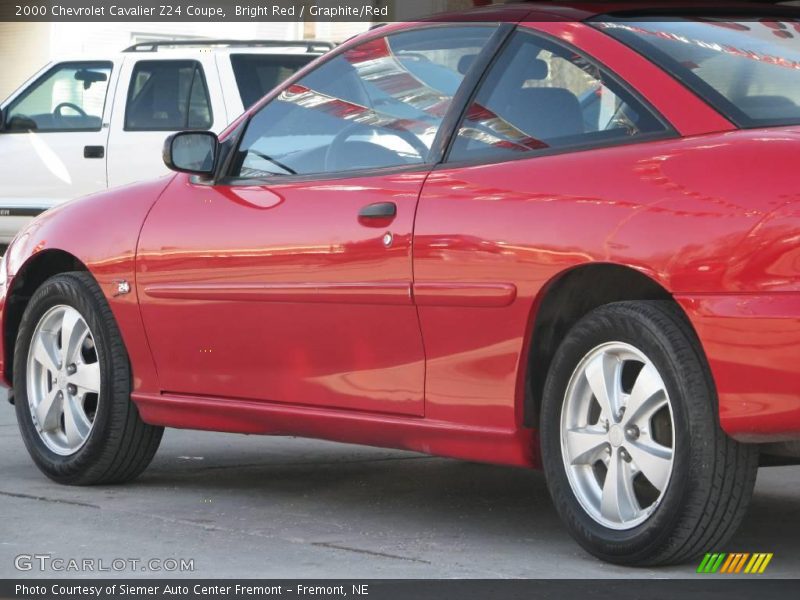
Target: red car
column 531, row 236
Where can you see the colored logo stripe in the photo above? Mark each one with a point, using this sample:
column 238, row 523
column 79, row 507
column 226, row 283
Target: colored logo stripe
column 732, row 558
column 734, row 562
column 758, row 563
column 711, row 563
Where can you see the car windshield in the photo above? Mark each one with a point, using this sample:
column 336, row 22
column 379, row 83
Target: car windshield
column 748, row 70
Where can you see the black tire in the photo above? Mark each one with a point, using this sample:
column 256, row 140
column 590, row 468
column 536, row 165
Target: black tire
column 120, row 445
column 712, row 475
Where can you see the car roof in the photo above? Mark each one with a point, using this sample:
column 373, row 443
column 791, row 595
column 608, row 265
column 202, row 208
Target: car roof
column 584, row 10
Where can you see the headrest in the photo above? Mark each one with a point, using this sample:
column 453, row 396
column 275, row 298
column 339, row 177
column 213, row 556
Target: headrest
column 537, row 69
column 465, row 62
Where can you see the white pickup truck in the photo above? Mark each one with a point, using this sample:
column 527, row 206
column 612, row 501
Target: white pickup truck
column 80, row 126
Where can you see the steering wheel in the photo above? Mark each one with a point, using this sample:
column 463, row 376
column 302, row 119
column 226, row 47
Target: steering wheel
column 75, row 107
column 332, row 152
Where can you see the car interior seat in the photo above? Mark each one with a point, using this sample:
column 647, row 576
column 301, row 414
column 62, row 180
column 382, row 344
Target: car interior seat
column 542, row 112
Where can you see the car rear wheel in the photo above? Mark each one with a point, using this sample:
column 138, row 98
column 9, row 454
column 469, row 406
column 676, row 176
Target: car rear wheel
column 636, row 462
column 72, row 387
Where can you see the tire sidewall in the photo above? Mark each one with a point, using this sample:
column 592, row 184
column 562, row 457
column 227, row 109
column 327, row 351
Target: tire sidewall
column 633, row 545
column 69, row 291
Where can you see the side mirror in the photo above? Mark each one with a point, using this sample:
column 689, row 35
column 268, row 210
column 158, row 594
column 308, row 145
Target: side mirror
column 192, row 152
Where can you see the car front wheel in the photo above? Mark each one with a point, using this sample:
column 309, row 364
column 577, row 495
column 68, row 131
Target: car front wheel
column 72, row 385
column 636, row 462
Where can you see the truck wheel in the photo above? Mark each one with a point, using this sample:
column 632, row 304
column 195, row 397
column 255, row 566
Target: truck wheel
column 636, row 462
column 72, row 385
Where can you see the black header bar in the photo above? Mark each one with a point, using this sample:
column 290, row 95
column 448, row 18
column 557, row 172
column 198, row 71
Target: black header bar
column 372, row 11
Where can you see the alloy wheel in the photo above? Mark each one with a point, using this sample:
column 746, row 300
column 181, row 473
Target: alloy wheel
column 617, row 435
column 63, row 379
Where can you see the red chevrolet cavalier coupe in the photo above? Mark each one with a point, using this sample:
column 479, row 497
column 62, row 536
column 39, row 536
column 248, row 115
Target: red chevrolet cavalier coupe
column 530, row 236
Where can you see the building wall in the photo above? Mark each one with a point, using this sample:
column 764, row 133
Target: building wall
column 24, row 48
column 336, row 32
column 104, row 38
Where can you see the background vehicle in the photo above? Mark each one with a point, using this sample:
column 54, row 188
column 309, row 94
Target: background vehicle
column 84, row 124
column 609, row 291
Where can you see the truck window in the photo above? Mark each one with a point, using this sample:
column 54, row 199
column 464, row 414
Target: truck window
column 68, row 97
column 257, row 74
column 168, row 95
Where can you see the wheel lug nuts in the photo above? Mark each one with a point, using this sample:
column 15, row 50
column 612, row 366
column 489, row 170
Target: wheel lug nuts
column 632, row 432
column 71, row 369
column 624, row 455
column 72, row 389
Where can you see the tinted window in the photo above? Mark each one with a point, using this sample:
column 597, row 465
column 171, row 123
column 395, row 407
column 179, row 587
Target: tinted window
column 749, row 71
column 69, row 97
column 257, row 74
column 540, row 96
column 379, row 104
column 167, row 95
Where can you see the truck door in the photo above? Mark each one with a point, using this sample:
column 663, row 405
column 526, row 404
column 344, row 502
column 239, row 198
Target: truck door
column 156, row 97
column 53, row 143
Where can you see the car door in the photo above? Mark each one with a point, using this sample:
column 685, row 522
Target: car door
column 53, row 144
column 547, row 127
column 156, row 97
column 290, row 279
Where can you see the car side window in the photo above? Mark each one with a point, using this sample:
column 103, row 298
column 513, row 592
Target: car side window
column 168, row 95
column 539, row 96
column 257, row 74
column 378, row 104
column 68, row 97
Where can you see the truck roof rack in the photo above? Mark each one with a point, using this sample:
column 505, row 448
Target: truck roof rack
column 309, row 45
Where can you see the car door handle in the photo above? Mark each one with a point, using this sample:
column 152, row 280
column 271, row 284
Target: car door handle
column 378, row 210
column 94, row 152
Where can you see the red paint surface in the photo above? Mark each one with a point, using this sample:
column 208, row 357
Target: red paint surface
column 297, row 302
column 752, row 342
column 275, row 310
column 101, row 231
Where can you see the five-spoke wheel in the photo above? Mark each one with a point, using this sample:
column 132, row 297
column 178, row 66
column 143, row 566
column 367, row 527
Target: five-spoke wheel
column 635, row 459
column 63, row 379
column 617, row 435
column 72, row 385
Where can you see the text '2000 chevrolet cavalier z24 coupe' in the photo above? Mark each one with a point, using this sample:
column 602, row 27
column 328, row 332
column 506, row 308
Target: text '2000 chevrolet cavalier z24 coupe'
column 529, row 236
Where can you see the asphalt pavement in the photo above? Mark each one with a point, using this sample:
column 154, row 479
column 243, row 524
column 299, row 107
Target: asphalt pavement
column 266, row 507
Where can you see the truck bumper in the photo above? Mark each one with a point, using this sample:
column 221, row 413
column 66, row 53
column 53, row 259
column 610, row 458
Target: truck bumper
column 14, row 219
column 752, row 343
